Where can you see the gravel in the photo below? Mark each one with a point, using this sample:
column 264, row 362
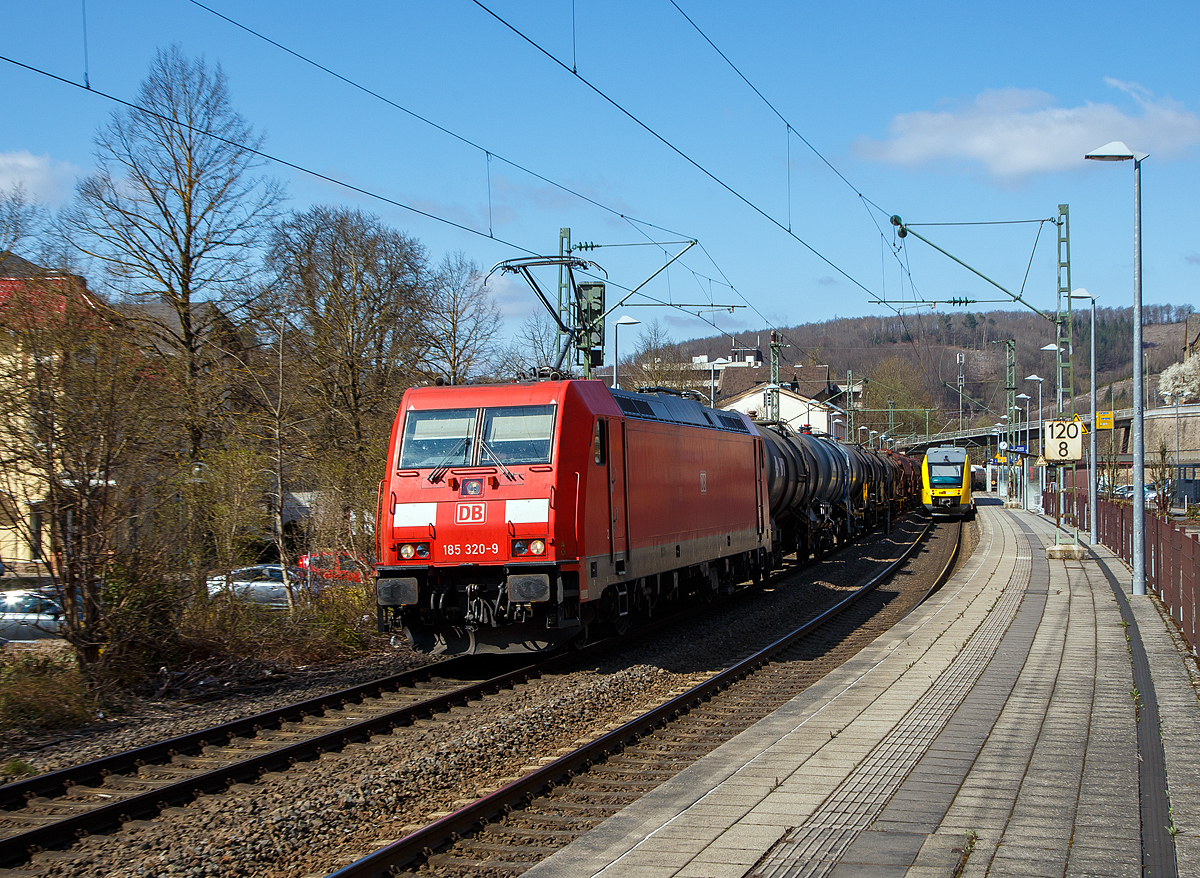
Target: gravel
column 140, row 721
column 321, row 814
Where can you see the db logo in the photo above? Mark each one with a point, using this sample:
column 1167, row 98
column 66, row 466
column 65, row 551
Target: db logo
column 469, row 513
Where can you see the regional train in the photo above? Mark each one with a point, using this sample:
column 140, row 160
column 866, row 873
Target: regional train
column 947, row 481
column 520, row 517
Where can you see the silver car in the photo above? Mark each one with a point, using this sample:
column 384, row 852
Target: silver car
column 261, row 584
column 27, row 615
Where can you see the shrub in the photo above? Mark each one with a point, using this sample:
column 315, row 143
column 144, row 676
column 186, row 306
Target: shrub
column 335, row 623
column 42, row 691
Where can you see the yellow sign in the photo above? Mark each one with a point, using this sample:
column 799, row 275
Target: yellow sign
column 1041, row 461
column 1104, row 420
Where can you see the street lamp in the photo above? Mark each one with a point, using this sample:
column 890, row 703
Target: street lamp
column 861, row 430
column 871, row 439
column 1024, row 466
column 712, row 393
column 1041, row 469
column 1119, row 152
column 1053, row 349
column 834, row 424
column 1092, row 488
column 622, row 321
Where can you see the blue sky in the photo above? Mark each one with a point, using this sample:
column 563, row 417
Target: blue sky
column 938, row 112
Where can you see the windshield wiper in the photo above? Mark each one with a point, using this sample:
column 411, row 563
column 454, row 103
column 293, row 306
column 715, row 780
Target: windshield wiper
column 442, row 468
column 507, row 472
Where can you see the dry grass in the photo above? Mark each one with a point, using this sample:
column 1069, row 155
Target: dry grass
column 219, row 643
column 42, row 689
column 337, row 623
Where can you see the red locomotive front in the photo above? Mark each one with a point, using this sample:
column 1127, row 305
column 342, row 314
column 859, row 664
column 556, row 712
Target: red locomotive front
column 512, row 516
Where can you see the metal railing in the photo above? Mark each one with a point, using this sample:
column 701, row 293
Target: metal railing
column 1172, row 553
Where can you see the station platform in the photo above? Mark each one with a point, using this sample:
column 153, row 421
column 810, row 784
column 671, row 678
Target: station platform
column 1029, row 719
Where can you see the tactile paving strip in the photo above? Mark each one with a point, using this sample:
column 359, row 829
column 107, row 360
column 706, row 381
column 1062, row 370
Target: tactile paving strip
column 813, row 849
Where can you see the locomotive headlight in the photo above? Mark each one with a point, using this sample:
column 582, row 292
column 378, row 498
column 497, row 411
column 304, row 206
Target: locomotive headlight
column 537, row 547
column 408, row 551
column 422, row 550
column 472, row 487
column 520, row 547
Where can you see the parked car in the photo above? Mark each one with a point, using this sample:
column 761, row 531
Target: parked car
column 334, row 565
column 27, row 615
column 261, row 584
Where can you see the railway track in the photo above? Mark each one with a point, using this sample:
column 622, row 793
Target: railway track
column 53, row 810
column 508, row 831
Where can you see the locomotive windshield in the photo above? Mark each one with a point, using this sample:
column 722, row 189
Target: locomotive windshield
column 946, row 474
column 438, row 438
column 511, row 436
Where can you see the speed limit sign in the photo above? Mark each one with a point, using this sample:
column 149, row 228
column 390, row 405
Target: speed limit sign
column 1064, row 441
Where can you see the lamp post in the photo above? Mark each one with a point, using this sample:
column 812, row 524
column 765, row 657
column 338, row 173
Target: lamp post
column 861, row 430
column 834, row 424
column 1024, row 466
column 1041, row 469
column 871, row 438
column 712, row 392
column 1119, row 152
column 1053, row 348
column 617, row 324
column 1093, row 507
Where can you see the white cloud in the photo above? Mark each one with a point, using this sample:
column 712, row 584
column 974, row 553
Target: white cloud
column 1014, row 133
column 45, row 179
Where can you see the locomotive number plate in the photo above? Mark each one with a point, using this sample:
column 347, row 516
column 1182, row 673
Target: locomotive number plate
column 470, row 549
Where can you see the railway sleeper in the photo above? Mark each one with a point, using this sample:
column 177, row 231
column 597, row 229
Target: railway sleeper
column 503, row 830
column 506, row 852
column 448, row 861
column 536, row 818
column 616, row 785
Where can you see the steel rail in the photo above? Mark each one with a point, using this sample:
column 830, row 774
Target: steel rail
column 426, row 840
column 946, row 571
column 18, row 848
column 55, row 782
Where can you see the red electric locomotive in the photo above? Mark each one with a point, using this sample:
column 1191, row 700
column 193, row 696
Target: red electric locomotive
column 515, row 516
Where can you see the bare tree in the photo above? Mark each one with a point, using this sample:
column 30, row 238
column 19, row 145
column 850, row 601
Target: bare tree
column 21, row 219
column 74, row 446
column 463, row 321
column 661, row 360
column 350, row 315
column 175, row 212
column 531, row 352
column 354, row 288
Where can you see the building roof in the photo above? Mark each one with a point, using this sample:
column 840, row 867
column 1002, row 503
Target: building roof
column 808, row 382
column 28, row 292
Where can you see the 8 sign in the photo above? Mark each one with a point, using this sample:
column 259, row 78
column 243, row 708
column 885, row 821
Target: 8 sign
column 1064, row 441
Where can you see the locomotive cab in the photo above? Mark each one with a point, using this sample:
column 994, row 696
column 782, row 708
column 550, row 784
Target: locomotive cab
column 467, row 542
column 946, row 483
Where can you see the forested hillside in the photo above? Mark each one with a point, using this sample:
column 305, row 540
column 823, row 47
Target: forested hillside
column 911, row 358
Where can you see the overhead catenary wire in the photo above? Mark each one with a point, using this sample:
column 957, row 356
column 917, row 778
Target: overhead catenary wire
column 867, row 202
column 268, row 156
column 415, row 115
column 675, row 149
column 635, row 222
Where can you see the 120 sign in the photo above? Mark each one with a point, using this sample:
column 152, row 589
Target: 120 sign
column 1064, row 441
